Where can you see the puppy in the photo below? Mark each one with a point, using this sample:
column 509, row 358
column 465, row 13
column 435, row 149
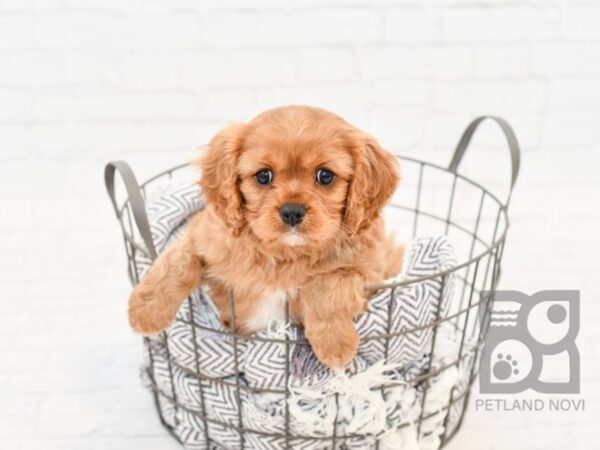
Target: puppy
column 293, row 203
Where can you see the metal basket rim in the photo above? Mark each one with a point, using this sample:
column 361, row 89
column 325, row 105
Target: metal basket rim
column 497, row 240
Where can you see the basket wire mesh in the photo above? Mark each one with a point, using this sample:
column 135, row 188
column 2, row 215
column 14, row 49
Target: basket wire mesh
column 478, row 234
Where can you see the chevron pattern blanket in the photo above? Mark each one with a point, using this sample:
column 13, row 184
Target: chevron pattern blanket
column 320, row 401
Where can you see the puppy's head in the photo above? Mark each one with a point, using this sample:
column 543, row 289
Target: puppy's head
column 297, row 176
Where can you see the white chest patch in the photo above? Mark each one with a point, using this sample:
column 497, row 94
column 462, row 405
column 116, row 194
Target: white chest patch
column 270, row 307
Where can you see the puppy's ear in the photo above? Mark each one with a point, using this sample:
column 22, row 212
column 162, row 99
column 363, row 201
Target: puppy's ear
column 219, row 181
column 373, row 182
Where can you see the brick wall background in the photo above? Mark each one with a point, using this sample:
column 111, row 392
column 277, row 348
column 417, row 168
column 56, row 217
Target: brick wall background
column 86, row 81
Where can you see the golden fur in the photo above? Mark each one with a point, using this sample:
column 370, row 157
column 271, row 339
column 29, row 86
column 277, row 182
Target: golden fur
column 240, row 242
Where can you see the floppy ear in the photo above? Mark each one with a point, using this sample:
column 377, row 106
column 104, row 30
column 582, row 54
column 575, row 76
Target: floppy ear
column 219, row 181
column 374, row 181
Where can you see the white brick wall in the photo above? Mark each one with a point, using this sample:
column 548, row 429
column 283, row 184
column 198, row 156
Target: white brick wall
column 86, row 81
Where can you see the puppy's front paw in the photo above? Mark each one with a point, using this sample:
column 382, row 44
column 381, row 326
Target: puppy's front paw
column 145, row 314
column 334, row 345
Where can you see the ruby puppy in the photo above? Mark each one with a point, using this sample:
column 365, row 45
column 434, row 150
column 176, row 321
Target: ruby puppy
column 293, row 203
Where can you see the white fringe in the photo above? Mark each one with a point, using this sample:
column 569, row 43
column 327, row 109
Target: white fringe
column 362, row 409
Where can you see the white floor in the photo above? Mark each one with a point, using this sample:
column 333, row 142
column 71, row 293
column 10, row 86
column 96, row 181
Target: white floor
column 69, row 364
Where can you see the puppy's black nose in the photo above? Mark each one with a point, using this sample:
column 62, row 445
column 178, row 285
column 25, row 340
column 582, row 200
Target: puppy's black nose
column 292, row 213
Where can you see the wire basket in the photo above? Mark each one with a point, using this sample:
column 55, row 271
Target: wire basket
column 432, row 199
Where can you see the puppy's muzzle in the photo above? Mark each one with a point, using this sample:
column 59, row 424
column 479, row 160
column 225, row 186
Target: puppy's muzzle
column 292, row 213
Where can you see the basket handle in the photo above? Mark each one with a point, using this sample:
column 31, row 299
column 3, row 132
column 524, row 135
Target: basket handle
column 136, row 200
column 511, row 139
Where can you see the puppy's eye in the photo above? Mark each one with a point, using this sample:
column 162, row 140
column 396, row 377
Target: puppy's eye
column 264, row 177
column 325, row 177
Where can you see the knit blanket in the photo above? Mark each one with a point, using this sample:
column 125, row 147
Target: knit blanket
column 239, row 400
